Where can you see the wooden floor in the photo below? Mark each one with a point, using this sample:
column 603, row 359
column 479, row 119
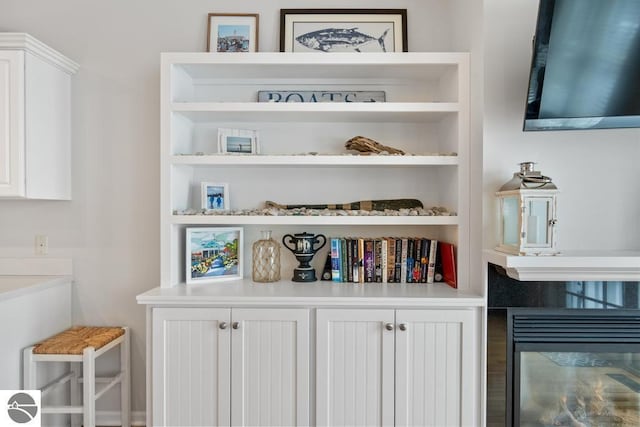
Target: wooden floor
column 496, row 369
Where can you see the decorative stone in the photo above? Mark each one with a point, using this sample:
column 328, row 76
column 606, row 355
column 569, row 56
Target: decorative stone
column 271, row 211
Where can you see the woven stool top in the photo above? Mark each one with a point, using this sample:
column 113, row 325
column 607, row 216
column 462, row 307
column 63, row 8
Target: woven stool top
column 76, row 339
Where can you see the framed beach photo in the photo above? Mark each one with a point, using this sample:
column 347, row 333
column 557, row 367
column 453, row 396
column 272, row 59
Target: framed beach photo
column 237, row 141
column 343, row 30
column 232, row 32
column 215, row 196
column 213, row 254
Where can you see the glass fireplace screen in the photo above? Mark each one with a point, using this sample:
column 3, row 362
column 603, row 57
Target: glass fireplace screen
column 578, row 389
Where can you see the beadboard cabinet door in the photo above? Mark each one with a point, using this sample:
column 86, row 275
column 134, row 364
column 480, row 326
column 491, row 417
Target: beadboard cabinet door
column 355, row 367
column 270, row 371
column 435, row 375
column 191, row 367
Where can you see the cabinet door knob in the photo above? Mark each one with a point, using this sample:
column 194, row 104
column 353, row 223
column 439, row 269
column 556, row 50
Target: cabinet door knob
column 403, row 326
column 388, row 326
column 235, row 325
column 223, row 325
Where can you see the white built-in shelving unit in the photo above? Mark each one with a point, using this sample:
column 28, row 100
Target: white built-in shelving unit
column 416, row 348
column 302, row 157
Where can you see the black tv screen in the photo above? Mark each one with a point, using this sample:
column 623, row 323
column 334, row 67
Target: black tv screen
column 585, row 70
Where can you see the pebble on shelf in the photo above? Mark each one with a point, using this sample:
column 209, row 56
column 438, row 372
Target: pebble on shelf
column 433, row 211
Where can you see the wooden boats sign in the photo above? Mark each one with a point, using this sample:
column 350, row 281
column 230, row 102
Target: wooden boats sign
column 321, row 96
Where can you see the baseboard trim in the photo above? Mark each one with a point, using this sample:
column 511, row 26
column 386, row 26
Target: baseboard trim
column 112, row 418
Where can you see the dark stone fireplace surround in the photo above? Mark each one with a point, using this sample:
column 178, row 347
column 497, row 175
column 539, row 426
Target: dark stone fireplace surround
column 507, row 296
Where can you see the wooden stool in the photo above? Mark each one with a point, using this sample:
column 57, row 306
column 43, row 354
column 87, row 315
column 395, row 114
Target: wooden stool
column 81, row 344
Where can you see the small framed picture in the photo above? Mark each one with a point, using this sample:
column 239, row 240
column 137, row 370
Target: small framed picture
column 232, row 32
column 343, row 30
column 213, row 254
column 215, row 196
column 237, row 141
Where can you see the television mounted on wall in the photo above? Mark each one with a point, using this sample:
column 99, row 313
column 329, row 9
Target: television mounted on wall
column 585, row 68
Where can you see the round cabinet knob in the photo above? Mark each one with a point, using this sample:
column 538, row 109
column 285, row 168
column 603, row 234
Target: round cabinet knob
column 388, row 326
column 235, row 325
column 403, row 326
column 223, row 325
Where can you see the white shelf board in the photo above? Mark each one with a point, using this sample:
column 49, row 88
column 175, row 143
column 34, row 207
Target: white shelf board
column 317, row 294
column 311, row 220
column 401, row 112
column 401, row 65
column 319, row 160
column 570, row 265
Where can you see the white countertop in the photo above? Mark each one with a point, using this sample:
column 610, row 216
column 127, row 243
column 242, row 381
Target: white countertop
column 287, row 293
column 14, row 286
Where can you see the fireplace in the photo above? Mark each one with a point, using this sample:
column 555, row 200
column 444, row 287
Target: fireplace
column 573, row 367
column 563, row 353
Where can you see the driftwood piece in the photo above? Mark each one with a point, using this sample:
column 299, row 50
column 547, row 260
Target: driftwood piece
column 365, row 205
column 368, row 146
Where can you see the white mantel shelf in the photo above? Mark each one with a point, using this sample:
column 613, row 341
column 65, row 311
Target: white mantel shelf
column 570, row 265
column 317, row 294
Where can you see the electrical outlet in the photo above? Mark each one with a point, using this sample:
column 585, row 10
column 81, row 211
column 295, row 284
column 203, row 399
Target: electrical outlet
column 42, row 244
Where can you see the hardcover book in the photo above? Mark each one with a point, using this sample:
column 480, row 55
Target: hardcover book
column 424, row 260
column 403, row 259
column 361, row 260
column 417, row 254
column 369, row 266
column 410, row 259
column 355, row 270
column 343, row 260
column 335, row 259
column 431, row 271
column 349, row 245
column 448, row 256
column 391, row 259
column 384, row 260
column 398, row 262
column 377, row 260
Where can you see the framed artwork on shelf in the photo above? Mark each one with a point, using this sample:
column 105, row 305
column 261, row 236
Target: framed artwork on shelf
column 232, row 32
column 215, row 196
column 237, row 141
column 213, row 254
column 343, row 30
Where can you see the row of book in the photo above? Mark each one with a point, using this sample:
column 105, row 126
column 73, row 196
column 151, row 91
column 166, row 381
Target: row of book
column 391, row 260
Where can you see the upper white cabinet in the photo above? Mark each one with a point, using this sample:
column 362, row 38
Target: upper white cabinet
column 302, row 156
column 35, row 119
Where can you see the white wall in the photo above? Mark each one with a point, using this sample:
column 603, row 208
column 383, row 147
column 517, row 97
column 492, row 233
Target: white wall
column 110, row 228
column 596, row 170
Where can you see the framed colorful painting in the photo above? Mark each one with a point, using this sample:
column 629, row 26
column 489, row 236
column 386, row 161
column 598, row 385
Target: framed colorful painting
column 213, row 254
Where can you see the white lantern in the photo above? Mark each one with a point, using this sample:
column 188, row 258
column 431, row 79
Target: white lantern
column 528, row 213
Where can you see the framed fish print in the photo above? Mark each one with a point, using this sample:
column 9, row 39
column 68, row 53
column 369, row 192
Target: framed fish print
column 343, row 30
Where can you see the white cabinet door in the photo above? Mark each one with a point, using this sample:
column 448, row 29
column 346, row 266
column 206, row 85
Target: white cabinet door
column 12, row 95
column 435, row 371
column 191, row 367
column 355, row 368
column 270, row 367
